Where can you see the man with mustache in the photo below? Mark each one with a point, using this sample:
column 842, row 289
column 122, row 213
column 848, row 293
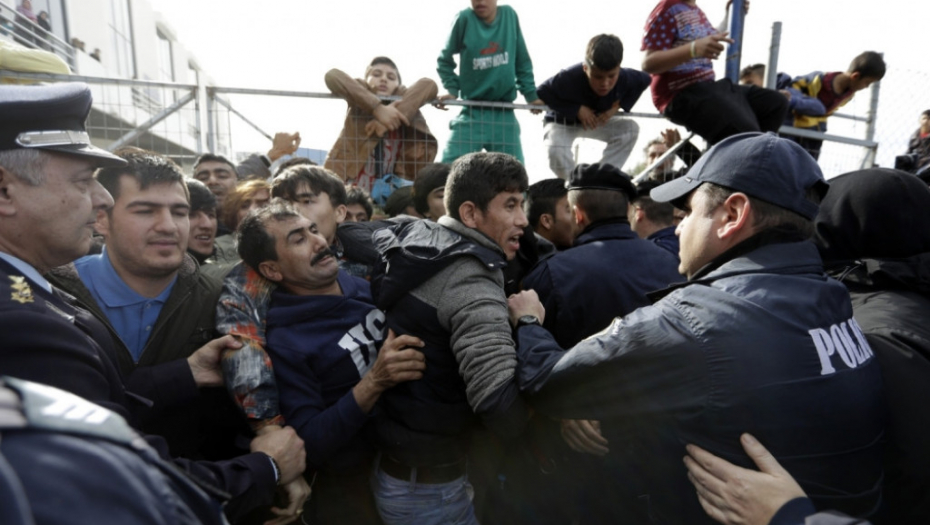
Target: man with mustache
column 323, row 335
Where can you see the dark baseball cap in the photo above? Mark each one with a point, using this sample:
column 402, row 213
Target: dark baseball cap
column 761, row 165
column 600, row 177
column 50, row 118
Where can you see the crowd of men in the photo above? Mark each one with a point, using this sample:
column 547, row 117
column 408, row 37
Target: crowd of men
column 736, row 340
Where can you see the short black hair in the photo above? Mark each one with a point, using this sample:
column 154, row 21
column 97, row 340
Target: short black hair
column 604, row 52
column 479, row 177
column 755, row 69
column 293, row 161
column 210, row 157
column 356, row 195
column 541, row 198
column 869, row 65
column 383, row 60
column 398, row 201
column 320, row 180
column 430, row 177
column 926, row 112
column 661, row 213
column 201, row 196
column 599, row 205
column 147, row 167
column 254, row 244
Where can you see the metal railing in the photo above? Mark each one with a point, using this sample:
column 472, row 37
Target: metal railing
column 27, row 33
column 201, row 118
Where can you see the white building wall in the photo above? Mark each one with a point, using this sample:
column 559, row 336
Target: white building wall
column 144, row 39
column 88, row 20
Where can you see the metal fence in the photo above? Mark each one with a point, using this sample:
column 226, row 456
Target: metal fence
column 27, row 33
column 182, row 121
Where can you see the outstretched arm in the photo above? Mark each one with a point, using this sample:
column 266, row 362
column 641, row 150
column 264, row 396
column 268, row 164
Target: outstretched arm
column 659, row 61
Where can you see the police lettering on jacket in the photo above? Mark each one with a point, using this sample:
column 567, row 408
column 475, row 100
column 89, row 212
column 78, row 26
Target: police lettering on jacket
column 841, row 342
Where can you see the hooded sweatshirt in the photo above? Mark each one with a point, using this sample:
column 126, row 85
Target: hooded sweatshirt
column 320, row 347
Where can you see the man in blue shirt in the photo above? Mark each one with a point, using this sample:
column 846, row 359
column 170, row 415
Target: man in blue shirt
column 147, row 291
column 584, row 101
column 158, row 307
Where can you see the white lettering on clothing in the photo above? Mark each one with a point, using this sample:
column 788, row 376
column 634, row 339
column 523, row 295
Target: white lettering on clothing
column 844, row 339
column 824, row 349
column 487, row 62
column 361, row 341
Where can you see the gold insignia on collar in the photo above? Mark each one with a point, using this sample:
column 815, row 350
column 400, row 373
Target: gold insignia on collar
column 22, row 293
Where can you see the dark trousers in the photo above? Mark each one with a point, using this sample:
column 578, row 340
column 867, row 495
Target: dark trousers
column 717, row 110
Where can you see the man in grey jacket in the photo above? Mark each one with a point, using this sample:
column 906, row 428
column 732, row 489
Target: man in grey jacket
column 443, row 282
column 757, row 340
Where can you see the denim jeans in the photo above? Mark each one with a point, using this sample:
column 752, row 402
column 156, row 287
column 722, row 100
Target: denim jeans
column 405, row 502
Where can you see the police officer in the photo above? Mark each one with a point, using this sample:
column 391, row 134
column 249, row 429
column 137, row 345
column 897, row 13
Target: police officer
column 609, row 270
column 49, row 201
column 103, row 471
column 757, row 340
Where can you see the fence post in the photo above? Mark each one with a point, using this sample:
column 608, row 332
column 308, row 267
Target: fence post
column 735, row 50
column 771, row 70
column 868, row 159
column 211, row 121
column 201, row 97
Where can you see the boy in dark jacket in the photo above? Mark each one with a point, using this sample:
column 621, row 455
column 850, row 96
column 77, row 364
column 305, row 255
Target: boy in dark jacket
column 584, row 101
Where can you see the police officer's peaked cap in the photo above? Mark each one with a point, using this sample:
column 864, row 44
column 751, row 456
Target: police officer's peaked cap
column 761, row 165
column 600, row 177
column 50, row 118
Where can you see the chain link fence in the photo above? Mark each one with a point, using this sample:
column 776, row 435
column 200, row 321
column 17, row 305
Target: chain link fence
column 182, row 121
column 905, row 94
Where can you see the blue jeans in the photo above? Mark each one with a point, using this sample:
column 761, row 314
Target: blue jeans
column 405, row 502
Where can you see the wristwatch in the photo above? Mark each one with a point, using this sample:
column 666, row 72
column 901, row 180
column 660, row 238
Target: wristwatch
column 525, row 320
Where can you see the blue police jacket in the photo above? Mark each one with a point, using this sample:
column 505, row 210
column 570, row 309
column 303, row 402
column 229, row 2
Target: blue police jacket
column 763, row 343
column 606, row 274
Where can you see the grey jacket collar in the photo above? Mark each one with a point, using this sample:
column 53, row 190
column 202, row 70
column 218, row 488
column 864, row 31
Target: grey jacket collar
column 470, row 234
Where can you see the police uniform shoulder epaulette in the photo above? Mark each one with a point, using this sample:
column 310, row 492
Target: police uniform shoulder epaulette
column 24, row 404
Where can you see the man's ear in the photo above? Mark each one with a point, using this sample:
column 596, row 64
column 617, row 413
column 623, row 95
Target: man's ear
column 581, row 217
column 7, row 205
column 269, row 270
column 341, row 212
column 736, row 223
column 546, row 220
column 469, row 214
column 102, row 226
